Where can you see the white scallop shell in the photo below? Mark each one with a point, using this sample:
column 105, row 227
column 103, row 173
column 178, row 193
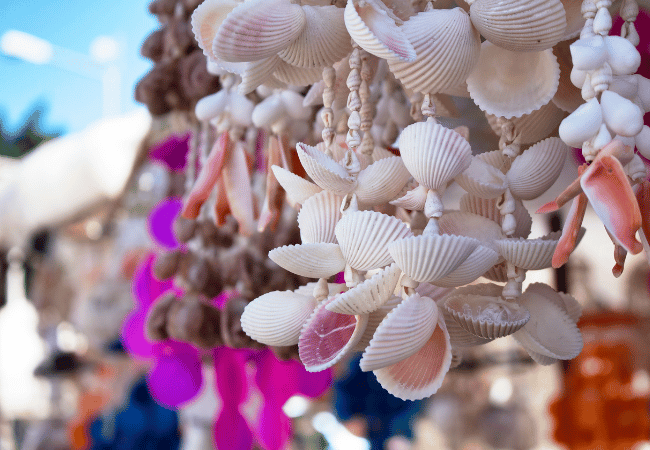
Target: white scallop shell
column 381, row 181
column 296, row 76
column 258, row 29
column 498, row 273
column 428, row 258
column 370, row 295
column 471, row 225
column 374, row 28
column 276, row 318
column 533, row 127
column 536, row 169
column 433, row 154
column 520, row 26
column 374, row 319
column 420, row 375
column 433, row 292
column 582, row 124
column 308, row 289
column 541, row 359
column 447, row 48
column 511, row 84
column 564, row 301
column 574, row 19
column 402, row 333
column 482, row 180
column 297, row 188
column 476, row 264
column 571, row 305
column 488, row 208
column 413, row 200
column 323, row 41
column 622, row 56
column 318, row 217
column 529, row 254
column 206, row 20
column 320, row 260
column 258, row 73
column 621, row 115
column 325, row 172
column 497, row 159
column 486, row 316
column 364, row 237
column 458, row 336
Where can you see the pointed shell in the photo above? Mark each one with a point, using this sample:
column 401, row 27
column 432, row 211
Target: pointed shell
column 529, row 254
column 318, row 217
column 428, row 258
column 325, row 172
column 433, row 154
column 206, row 20
column 510, row 84
column 276, row 318
column 297, row 188
column 471, row 225
column 370, row 295
column 486, row 316
column 482, row 180
column 582, row 124
column 447, row 48
column 381, row 181
column 476, row 264
column 402, row 333
column 536, row 169
column 533, row 127
column 520, row 26
column 310, row 260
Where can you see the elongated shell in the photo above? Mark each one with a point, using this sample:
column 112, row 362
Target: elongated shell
column 471, row 225
column 325, row 172
column 447, row 48
column 381, row 181
column 318, row 217
column 476, row 264
column 297, row 188
column 529, row 254
column 276, row 318
column 533, row 127
column 482, row 180
column 520, row 26
column 402, row 333
column 309, row 260
column 486, row 316
column 511, row 84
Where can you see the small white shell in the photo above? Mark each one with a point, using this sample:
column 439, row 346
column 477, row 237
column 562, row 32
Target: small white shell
column 296, row 76
column 621, row 115
column 276, row 318
column 471, row 225
column 476, row 264
column 320, row 260
column 482, row 180
column 413, row 200
column 622, row 56
column 589, row 53
column 318, row 217
column 206, row 20
column 643, row 142
column 364, row 237
column 533, row 127
column 428, row 258
column 486, row 316
column 402, row 333
column 488, row 209
column 582, row 124
column 381, row 181
column 325, row 172
column 211, row 106
column 529, row 254
column 297, row 188
column 643, row 92
column 370, row 295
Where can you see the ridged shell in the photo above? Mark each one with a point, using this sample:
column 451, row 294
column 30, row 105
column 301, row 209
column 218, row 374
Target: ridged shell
column 536, row 169
column 309, row 260
column 567, row 97
column 206, row 20
column 323, row 41
column 364, row 237
column 447, row 48
column 433, row 154
column 420, row 375
column 296, row 76
column 488, row 209
column 297, row 188
column 565, row 301
column 482, row 180
column 533, row 127
column 574, row 19
column 381, row 181
column 374, row 320
column 372, row 27
column 325, row 172
column 458, row 336
column 476, row 264
column 433, row 292
column 520, row 25
column 471, row 225
column 413, row 200
column 428, row 258
column 308, row 289
column 497, row 159
column 318, row 217
column 485, row 316
column 402, row 333
column 511, row 84
column 529, row 254
column 277, row 318
column 258, row 73
column 327, row 337
column 498, row 273
column 370, row 295
column 258, row 29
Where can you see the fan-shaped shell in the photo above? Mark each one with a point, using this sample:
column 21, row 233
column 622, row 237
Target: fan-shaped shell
column 498, row 273
column 258, row 73
column 327, row 337
column 520, row 26
column 488, row 208
column 296, row 76
column 482, row 180
column 433, row 154
column 428, row 258
column 320, row 260
column 206, row 20
column 511, row 84
column 297, row 188
column 413, row 200
column 471, row 225
column 402, row 333
column 529, row 254
column 258, row 29
column 564, row 301
column 574, row 19
column 370, row 295
column 323, row 41
column 276, row 318
column 447, row 48
column 318, row 217
column 582, row 124
column 497, row 159
column 533, row 127
column 486, row 316
column 381, row 181
column 476, row 264
column 325, row 172
column 374, row 319
column 536, row 169
column 458, row 336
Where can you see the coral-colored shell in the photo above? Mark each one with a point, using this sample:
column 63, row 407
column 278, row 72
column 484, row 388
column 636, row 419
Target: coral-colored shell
column 318, row 217
column 482, row 180
column 486, row 316
column 325, row 172
column 320, row 260
column 533, row 127
column 206, row 20
column 381, row 181
column 297, row 188
column 529, row 254
column 476, row 264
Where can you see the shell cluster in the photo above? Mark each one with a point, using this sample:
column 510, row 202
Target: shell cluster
column 382, row 72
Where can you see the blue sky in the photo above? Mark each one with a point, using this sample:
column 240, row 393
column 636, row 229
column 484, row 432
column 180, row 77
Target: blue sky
column 74, row 101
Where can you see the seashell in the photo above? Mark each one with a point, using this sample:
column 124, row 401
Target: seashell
column 296, row 76
column 258, row 29
column 321, row 260
column 206, row 20
column 211, row 106
column 486, row 316
column 582, row 124
column 236, row 181
column 277, row 318
column 374, row 319
column 567, row 97
column 498, row 273
column 269, row 111
column 327, row 337
column 428, row 258
column 381, row 181
column 258, row 73
column 621, row 115
column 421, row 374
column 476, row 264
column 529, row 254
column 622, row 56
column 510, row 84
column 447, row 48
column 481, row 206
column 574, row 19
column 536, row 169
column 433, row 154
column 413, row 200
column 293, row 103
column 402, row 333
column 458, row 336
column 325, row 172
column 571, row 306
column 482, row 180
column 323, row 41
column 533, row 127
column 364, row 237
column 625, row 85
column 643, row 92
column 497, row 159
column 520, row 26
column 471, row 225
column 297, row 188
column 541, row 359
column 588, row 54
column 370, row 295
column 318, row 217
column 372, row 25
column 433, row 292
column 564, row 301
column 643, row 142
column 308, row 289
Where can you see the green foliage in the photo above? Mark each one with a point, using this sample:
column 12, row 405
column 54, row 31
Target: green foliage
column 28, row 135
